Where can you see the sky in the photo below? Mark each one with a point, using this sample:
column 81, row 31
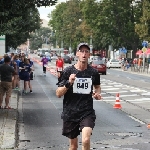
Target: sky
column 44, row 11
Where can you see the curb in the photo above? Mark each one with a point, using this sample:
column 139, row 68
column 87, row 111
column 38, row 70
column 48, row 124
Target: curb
column 8, row 132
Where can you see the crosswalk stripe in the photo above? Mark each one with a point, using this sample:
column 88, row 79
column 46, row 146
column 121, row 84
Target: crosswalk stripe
column 146, row 93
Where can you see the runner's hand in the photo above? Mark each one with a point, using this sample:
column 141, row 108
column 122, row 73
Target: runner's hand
column 97, row 96
column 72, row 78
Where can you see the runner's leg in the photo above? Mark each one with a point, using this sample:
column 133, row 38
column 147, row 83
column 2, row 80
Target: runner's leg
column 86, row 134
column 73, row 144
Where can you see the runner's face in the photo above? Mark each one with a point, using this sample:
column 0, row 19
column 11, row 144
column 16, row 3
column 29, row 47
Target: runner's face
column 83, row 54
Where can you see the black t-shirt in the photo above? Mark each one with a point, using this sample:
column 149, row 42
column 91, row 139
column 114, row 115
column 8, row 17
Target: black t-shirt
column 77, row 106
column 6, row 72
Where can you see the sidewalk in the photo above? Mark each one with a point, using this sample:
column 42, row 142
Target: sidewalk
column 8, row 118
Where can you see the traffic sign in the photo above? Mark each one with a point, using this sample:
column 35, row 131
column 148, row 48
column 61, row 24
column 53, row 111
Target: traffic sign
column 123, row 50
column 145, row 43
column 144, row 49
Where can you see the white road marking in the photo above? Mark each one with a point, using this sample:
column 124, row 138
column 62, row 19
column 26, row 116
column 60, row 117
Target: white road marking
column 148, row 93
column 106, row 86
column 128, row 95
column 117, row 91
column 110, row 89
column 138, row 90
column 141, row 99
column 141, row 122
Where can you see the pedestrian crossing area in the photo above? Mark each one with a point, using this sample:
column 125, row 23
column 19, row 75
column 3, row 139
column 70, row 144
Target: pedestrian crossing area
column 127, row 93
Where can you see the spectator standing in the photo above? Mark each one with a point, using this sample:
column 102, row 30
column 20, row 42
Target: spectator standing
column 27, row 76
column 45, row 63
column 123, row 63
column 139, row 63
column 32, row 68
column 14, row 65
column 6, row 72
column 135, row 61
column 16, row 77
column 22, row 70
column 148, row 63
column 78, row 84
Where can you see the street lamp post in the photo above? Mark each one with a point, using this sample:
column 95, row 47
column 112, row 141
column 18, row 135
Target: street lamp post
column 56, row 38
column 70, row 49
column 91, row 44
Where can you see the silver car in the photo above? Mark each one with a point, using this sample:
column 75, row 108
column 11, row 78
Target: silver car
column 113, row 63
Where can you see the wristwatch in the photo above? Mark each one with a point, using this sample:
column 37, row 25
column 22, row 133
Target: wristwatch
column 68, row 84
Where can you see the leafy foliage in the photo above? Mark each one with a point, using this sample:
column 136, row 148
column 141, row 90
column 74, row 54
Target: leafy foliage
column 40, row 37
column 119, row 23
column 19, row 19
column 142, row 28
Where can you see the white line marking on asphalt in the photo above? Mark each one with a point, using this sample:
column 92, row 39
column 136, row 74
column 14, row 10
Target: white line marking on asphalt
column 116, row 92
column 146, row 93
column 128, row 95
column 141, row 122
column 113, row 83
column 106, row 86
column 110, row 89
column 141, row 99
column 109, row 97
column 118, row 85
column 138, row 90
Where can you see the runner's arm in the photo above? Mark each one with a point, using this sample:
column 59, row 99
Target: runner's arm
column 97, row 92
column 97, row 89
column 61, row 91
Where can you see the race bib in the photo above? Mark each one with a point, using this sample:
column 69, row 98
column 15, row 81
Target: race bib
column 82, row 85
column 45, row 65
column 59, row 68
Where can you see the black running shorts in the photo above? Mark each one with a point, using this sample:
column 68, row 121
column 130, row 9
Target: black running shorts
column 73, row 129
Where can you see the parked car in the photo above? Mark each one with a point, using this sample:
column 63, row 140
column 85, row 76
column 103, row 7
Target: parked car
column 113, row 63
column 92, row 58
column 99, row 65
column 67, row 59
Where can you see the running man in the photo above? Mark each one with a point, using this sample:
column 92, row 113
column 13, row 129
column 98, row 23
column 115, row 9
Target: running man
column 45, row 62
column 59, row 66
column 79, row 84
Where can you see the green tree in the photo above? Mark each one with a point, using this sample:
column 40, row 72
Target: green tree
column 108, row 22
column 69, row 23
column 39, row 37
column 19, row 19
column 113, row 22
column 143, row 27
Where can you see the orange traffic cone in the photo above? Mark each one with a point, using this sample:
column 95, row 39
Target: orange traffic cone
column 117, row 103
column 148, row 126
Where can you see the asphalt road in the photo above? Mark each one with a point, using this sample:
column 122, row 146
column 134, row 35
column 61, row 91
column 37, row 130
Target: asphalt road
column 122, row 129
